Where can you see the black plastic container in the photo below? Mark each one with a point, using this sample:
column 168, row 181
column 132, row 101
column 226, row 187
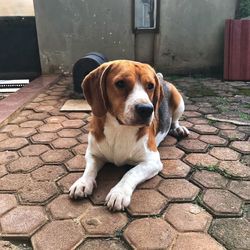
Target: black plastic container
column 85, row 65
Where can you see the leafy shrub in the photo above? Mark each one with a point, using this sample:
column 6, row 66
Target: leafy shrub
column 244, row 9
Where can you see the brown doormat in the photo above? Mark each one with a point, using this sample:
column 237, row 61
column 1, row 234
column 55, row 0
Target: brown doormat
column 76, row 105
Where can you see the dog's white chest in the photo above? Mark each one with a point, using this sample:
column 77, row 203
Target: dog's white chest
column 120, row 145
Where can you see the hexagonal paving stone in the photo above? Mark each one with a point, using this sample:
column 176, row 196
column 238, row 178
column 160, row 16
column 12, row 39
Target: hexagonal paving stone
column 24, row 164
column 43, row 108
column 34, row 150
column 18, row 119
column 224, row 125
column 240, row 188
column 233, row 232
column 205, row 129
column 198, row 121
column 22, row 221
column 50, row 127
column 107, row 178
column 13, row 144
column 224, row 154
column 208, row 110
column 83, row 138
column 149, row 233
column 245, row 129
column 31, row 124
column 13, row 182
column 202, row 160
column 56, row 156
column 209, row 179
column 76, row 164
column 62, row 143
column 151, row 183
column 168, row 141
column 3, row 171
column 103, row 244
column 3, row 136
column 23, row 132
column 245, row 159
column 63, row 235
column 48, row 173
column 77, row 115
column 73, row 123
column 188, row 217
column 80, row 149
column 178, row 189
column 31, row 105
column 69, row 133
column 8, row 201
column 235, row 168
column 193, row 135
column 100, row 221
column 174, row 168
column 241, row 146
column 38, row 116
column 191, row 114
column 191, row 107
column 65, row 208
column 146, row 202
column 44, row 137
column 37, row 191
column 86, row 127
column 222, row 202
column 7, row 156
column 190, row 145
column 213, row 139
column 191, row 241
column 9, row 128
column 170, row 153
column 233, row 134
column 186, row 124
column 66, row 182
column 56, row 119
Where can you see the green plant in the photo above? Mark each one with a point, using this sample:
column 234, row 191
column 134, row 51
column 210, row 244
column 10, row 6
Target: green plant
column 245, row 92
column 211, row 122
column 244, row 9
column 244, row 116
column 212, row 168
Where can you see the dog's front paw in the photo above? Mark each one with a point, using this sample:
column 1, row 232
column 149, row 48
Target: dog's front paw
column 82, row 188
column 180, row 131
column 118, row 198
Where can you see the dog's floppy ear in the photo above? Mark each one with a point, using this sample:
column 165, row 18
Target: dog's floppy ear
column 94, row 89
column 158, row 95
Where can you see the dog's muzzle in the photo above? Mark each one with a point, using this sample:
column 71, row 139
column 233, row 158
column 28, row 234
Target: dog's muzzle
column 144, row 112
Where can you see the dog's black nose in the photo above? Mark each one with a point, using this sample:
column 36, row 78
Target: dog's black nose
column 144, row 110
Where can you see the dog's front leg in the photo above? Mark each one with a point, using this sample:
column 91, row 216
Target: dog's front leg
column 120, row 195
column 85, row 184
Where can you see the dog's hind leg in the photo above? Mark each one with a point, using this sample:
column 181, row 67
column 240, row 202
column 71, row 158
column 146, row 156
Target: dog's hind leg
column 178, row 107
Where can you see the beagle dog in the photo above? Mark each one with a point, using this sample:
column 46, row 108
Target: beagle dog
column 133, row 110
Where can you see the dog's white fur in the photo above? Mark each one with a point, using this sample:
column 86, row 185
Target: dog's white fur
column 120, row 147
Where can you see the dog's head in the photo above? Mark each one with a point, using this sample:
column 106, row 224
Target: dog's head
column 129, row 90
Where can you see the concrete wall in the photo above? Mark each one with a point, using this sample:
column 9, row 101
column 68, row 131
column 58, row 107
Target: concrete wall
column 68, row 29
column 190, row 37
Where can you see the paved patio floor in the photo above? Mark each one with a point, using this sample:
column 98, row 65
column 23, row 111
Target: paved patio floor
column 201, row 199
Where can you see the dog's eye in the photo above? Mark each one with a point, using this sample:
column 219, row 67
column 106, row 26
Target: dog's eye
column 150, row 86
column 120, row 84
